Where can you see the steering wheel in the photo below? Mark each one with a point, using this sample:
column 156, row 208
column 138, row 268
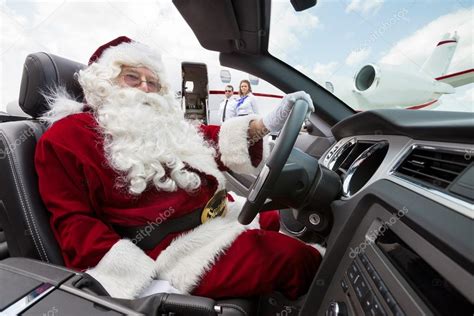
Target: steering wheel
column 263, row 185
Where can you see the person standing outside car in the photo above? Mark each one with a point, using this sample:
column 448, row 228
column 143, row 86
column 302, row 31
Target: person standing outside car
column 246, row 104
column 226, row 107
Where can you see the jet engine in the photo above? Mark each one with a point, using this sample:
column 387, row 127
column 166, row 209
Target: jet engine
column 386, row 86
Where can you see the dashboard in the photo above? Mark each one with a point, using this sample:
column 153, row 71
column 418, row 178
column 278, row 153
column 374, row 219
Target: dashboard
column 376, row 157
column 401, row 241
column 402, row 237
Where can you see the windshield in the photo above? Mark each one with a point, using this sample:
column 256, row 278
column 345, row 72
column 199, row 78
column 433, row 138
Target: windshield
column 382, row 54
column 74, row 30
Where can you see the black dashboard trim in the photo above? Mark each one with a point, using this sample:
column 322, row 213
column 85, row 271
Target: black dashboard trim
column 453, row 240
column 453, row 127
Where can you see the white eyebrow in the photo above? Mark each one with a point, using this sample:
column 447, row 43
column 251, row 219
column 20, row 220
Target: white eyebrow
column 131, row 71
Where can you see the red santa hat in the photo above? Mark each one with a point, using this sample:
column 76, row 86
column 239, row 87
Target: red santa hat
column 105, row 65
column 125, row 51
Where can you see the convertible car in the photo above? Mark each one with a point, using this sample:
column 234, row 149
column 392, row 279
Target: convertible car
column 387, row 193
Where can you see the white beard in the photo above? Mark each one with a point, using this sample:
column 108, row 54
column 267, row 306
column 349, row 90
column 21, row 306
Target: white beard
column 147, row 140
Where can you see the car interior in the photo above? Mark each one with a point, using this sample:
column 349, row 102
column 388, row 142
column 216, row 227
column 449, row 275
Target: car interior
column 388, row 193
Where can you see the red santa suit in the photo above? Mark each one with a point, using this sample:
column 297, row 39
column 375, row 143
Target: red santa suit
column 220, row 258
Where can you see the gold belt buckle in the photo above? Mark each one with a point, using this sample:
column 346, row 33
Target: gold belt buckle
column 216, row 206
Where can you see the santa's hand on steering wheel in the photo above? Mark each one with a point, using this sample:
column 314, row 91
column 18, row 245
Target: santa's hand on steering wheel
column 275, row 120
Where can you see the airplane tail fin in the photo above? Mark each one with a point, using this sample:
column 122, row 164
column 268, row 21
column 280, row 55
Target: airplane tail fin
column 437, row 64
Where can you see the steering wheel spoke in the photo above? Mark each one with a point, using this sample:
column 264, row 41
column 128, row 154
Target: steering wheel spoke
column 270, row 173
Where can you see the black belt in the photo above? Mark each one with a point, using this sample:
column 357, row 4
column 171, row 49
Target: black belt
column 148, row 236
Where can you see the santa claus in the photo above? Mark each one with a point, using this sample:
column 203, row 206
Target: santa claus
column 126, row 179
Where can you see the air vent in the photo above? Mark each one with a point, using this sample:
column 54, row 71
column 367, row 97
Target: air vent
column 343, row 158
column 433, row 167
column 362, row 166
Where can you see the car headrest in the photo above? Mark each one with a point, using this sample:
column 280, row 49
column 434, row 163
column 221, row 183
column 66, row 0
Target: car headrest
column 41, row 73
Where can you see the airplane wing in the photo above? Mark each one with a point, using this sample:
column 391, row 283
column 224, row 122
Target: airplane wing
column 458, row 79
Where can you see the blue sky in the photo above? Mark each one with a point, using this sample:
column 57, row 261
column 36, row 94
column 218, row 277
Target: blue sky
column 340, row 31
column 400, row 33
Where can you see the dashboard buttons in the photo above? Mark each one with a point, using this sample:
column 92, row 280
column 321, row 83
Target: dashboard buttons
column 372, row 307
column 354, row 268
column 370, row 303
column 388, row 299
column 352, row 274
column 344, row 286
column 361, row 287
column 363, row 258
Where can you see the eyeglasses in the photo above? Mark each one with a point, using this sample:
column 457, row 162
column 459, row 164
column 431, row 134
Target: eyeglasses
column 228, row 90
column 134, row 80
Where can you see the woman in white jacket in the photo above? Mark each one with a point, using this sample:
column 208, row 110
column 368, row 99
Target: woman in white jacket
column 246, row 104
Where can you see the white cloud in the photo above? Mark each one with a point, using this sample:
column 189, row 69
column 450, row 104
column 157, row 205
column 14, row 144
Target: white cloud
column 324, row 70
column 413, row 50
column 289, row 29
column 304, row 70
column 462, row 100
column 328, row 73
column 357, row 56
column 75, row 29
column 364, row 6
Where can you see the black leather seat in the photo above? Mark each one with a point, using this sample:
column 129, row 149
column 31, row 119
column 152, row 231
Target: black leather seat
column 23, row 216
column 3, row 245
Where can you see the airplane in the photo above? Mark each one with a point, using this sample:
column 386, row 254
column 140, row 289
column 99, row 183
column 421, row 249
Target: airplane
column 372, row 84
column 387, row 192
column 388, row 86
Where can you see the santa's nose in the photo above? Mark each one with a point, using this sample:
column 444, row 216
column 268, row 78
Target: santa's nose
column 143, row 86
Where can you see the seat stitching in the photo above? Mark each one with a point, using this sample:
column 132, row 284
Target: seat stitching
column 18, row 189
column 34, row 128
column 22, row 194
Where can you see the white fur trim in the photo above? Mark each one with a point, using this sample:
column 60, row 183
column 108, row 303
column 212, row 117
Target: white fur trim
column 191, row 255
column 133, row 54
column 124, row 271
column 233, row 145
column 61, row 104
column 207, row 164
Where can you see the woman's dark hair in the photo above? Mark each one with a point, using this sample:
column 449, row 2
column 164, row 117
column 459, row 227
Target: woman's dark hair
column 248, row 83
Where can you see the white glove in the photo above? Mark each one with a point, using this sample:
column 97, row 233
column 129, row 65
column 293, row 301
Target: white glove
column 275, row 120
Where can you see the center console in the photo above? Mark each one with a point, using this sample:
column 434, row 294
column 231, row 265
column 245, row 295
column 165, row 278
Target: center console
column 30, row 287
column 389, row 269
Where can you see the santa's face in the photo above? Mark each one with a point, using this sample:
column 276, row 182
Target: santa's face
column 141, row 78
column 146, row 138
